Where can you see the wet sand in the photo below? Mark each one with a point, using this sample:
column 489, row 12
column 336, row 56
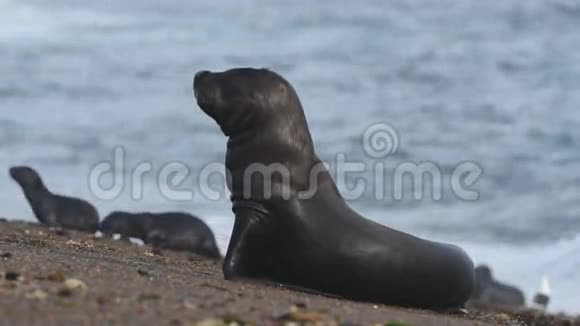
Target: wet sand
column 50, row 277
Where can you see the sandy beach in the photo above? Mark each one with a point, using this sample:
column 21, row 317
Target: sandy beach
column 51, row 277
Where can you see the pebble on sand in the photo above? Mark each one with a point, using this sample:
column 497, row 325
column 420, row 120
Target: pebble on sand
column 36, row 295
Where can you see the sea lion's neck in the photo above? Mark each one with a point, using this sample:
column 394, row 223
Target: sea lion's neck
column 243, row 204
column 270, row 163
column 257, row 151
column 35, row 192
column 291, row 144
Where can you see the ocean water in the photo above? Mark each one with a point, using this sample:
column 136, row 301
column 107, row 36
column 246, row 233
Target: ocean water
column 492, row 83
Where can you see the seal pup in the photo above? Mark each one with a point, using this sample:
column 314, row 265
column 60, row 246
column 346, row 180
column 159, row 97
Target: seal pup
column 174, row 231
column 293, row 227
column 51, row 209
column 492, row 292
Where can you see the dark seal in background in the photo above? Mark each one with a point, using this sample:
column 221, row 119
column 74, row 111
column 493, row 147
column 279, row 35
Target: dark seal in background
column 172, row 230
column 54, row 210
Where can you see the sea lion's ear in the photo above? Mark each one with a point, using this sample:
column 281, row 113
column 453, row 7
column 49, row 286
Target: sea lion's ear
column 282, row 93
column 282, row 88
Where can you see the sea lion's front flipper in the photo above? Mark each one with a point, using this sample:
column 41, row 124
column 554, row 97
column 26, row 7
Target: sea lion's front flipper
column 243, row 258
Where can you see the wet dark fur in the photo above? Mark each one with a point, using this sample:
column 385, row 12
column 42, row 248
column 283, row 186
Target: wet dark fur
column 54, row 210
column 174, row 231
column 319, row 242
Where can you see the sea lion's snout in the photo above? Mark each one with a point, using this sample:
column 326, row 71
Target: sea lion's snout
column 200, row 75
column 13, row 172
column 18, row 172
column 200, row 84
column 204, row 91
column 212, row 95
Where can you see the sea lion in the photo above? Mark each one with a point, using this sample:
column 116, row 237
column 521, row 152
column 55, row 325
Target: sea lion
column 293, row 229
column 54, row 210
column 174, row 231
column 491, row 292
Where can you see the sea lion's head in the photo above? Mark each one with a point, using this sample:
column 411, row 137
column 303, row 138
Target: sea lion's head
column 126, row 224
column 209, row 248
column 483, row 274
column 116, row 223
column 243, row 99
column 262, row 115
column 26, row 177
column 483, row 278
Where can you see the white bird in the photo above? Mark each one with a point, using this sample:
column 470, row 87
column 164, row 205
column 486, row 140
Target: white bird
column 545, row 287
